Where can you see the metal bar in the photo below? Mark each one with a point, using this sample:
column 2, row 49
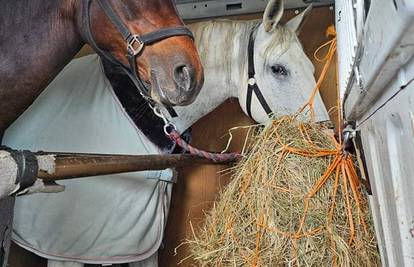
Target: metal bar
column 69, row 166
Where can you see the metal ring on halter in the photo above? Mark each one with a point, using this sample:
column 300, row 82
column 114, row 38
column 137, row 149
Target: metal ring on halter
column 169, row 128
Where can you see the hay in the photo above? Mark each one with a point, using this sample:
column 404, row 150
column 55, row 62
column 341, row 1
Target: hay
column 293, row 201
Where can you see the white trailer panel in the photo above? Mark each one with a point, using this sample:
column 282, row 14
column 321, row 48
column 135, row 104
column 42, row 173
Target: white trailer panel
column 379, row 98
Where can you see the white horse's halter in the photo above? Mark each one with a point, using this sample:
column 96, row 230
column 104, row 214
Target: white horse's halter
column 252, row 84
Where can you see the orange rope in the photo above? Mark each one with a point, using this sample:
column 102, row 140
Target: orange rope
column 348, row 204
column 353, row 180
column 335, row 190
column 329, row 56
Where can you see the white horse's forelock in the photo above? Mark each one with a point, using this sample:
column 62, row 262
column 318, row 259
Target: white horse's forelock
column 281, row 40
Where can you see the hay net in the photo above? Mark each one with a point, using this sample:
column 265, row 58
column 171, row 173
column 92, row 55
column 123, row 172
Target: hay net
column 295, row 200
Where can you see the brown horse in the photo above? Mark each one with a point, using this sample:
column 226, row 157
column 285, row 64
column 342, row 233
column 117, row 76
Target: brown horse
column 38, row 38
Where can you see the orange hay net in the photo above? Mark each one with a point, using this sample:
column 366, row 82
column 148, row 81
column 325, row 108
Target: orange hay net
column 342, row 164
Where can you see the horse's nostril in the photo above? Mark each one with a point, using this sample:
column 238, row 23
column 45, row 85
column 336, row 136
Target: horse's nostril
column 183, row 76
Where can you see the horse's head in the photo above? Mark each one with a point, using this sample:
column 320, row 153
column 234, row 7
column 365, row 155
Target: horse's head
column 283, row 71
column 169, row 67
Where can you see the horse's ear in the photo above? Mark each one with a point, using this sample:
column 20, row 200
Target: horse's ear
column 272, row 14
column 296, row 23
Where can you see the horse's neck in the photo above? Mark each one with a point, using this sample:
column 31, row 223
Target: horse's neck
column 223, row 50
column 37, row 39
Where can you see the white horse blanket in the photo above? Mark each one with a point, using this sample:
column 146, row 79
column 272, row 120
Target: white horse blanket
column 107, row 219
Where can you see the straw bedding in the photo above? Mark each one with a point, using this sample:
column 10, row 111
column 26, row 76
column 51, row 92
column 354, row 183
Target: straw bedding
column 294, row 200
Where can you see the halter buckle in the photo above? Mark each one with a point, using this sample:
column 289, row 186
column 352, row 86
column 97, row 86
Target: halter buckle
column 134, row 45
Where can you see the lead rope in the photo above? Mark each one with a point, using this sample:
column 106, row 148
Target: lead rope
column 170, row 131
column 216, row 157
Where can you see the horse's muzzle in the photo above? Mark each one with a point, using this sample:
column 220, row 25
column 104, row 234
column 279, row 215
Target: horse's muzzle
column 182, row 90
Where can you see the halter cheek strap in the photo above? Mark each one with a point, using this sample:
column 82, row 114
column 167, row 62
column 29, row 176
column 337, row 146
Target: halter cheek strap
column 134, row 43
column 252, row 85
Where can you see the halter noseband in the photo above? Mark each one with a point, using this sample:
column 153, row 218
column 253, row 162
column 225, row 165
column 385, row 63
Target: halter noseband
column 134, row 42
column 252, row 84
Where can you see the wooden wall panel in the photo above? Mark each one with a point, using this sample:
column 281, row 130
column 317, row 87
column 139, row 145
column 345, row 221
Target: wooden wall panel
column 198, row 186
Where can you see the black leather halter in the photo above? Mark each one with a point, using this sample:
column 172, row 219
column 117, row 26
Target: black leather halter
column 134, row 43
column 252, row 85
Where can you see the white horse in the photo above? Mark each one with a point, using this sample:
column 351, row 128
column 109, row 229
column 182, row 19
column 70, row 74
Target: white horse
column 284, row 74
column 121, row 218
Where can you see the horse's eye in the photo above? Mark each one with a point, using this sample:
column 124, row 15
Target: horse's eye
column 279, row 70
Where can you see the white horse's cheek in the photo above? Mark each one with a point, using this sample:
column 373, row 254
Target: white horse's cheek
column 258, row 113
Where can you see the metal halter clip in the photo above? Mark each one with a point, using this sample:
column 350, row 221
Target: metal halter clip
column 168, row 126
column 134, row 45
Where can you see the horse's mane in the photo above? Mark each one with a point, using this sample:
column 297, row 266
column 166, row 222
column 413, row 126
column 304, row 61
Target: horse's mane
column 217, row 39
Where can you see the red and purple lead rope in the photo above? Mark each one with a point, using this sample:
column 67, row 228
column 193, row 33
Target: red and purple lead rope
column 216, row 157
